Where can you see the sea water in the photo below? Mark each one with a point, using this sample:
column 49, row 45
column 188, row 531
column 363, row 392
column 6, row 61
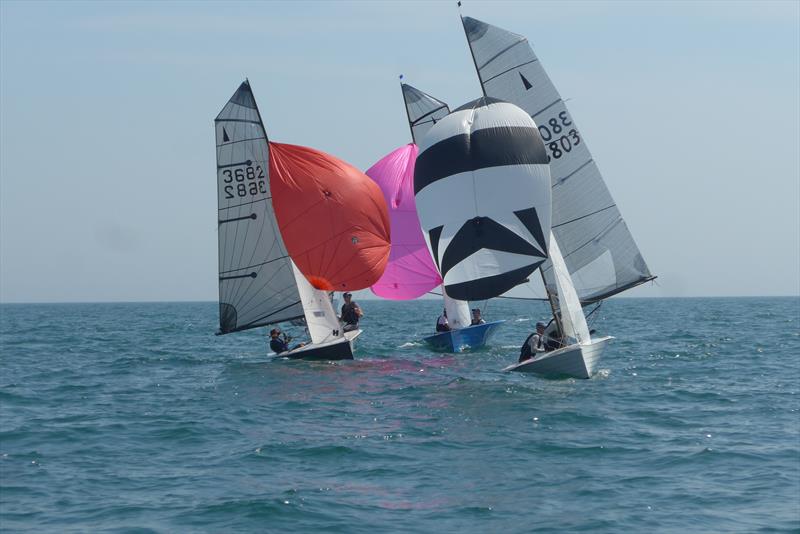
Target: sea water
column 136, row 418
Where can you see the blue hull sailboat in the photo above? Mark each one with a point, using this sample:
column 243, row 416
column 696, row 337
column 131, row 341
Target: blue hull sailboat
column 469, row 337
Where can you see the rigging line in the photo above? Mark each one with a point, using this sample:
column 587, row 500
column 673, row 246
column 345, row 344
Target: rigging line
column 248, row 162
column 596, row 236
column 546, row 108
column 239, row 141
column 267, row 316
column 272, row 294
column 567, row 177
column 274, row 299
column 250, row 121
column 582, row 217
column 246, row 203
column 254, row 266
column 503, row 51
column 534, row 60
column 416, row 121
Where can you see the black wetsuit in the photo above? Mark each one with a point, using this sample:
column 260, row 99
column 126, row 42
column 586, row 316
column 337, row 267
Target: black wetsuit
column 278, row 345
column 349, row 317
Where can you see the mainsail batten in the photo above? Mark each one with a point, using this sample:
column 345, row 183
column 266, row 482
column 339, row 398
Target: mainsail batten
column 585, row 219
column 256, row 283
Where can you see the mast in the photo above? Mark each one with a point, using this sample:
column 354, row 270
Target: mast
column 552, row 305
column 471, row 52
column 405, row 105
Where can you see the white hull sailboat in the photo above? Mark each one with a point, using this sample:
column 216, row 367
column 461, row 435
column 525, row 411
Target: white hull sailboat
column 580, row 354
column 578, row 360
column 259, row 283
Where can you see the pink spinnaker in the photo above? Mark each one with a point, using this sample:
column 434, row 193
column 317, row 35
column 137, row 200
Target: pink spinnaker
column 410, row 272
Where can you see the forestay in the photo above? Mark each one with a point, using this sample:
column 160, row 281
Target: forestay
column 598, row 248
column 256, row 284
column 482, row 187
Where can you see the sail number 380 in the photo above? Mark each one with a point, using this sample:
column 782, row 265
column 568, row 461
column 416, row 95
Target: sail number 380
column 558, row 138
column 244, row 181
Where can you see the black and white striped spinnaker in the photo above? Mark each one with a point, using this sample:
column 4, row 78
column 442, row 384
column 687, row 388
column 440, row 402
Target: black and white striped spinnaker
column 482, row 189
column 598, row 248
column 256, row 283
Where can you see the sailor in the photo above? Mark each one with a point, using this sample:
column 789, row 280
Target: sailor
column 351, row 313
column 476, row 317
column 280, row 344
column 536, row 343
column 441, row 323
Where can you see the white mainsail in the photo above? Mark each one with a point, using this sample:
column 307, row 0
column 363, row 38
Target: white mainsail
column 256, row 283
column 598, row 248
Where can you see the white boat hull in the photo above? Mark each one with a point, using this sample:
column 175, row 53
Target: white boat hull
column 338, row 349
column 577, row 361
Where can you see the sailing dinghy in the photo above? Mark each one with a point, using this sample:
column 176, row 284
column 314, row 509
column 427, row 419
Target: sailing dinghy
column 579, row 353
column 600, row 254
column 481, row 186
column 260, row 282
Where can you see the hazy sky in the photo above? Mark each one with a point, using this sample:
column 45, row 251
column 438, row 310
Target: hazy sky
column 107, row 169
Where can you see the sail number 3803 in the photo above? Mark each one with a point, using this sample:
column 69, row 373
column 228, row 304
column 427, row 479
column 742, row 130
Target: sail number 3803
column 244, row 181
column 558, row 137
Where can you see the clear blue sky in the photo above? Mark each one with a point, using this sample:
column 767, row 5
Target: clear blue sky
column 107, row 170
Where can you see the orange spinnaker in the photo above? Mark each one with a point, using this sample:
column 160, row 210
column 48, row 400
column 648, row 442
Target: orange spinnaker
column 332, row 217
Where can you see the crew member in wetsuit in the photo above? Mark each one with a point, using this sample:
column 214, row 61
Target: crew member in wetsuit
column 351, row 313
column 441, row 323
column 536, row 343
column 476, row 317
column 280, row 344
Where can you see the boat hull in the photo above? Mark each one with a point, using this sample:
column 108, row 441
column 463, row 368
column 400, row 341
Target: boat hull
column 577, row 361
column 339, row 349
column 471, row 337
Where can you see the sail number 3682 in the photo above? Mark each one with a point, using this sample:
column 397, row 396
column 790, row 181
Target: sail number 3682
column 244, row 181
column 557, row 137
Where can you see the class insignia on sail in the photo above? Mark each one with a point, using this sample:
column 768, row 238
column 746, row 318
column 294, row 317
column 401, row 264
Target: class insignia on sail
column 332, row 217
column 482, row 187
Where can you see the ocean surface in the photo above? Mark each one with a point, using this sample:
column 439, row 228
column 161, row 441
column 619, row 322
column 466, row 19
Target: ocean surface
column 136, row 418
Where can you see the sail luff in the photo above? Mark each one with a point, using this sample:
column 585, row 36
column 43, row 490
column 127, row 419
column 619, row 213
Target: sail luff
column 599, row 251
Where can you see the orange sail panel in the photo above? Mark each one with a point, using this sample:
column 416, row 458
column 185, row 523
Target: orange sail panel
column 332, row 217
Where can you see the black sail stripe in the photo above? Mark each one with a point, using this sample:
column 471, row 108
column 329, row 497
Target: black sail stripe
column 484, row 233
column 488, row 147
column 490, row 286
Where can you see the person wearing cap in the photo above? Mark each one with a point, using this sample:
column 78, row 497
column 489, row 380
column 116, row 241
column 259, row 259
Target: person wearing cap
column 476, row 317
column 536, row 343
column 442, row 325
column 351, row 313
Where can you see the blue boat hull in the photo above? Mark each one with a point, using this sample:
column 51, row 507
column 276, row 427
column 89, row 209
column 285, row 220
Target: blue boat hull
column 471, row 337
